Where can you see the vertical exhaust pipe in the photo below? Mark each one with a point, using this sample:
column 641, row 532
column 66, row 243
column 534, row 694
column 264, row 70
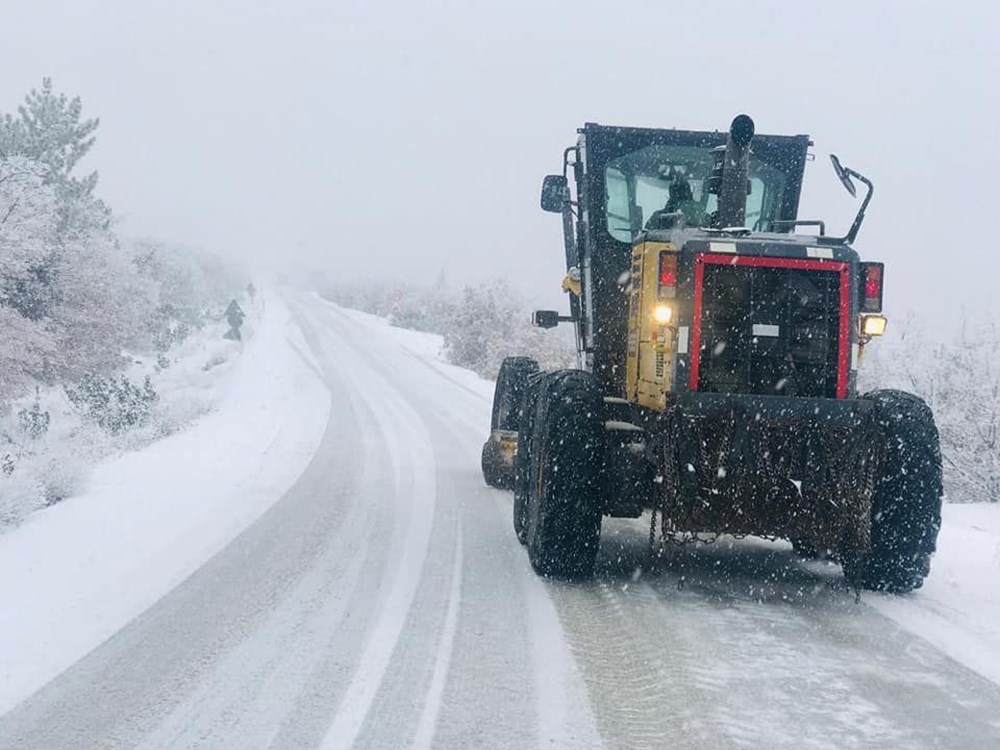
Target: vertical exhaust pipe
column 735, row 171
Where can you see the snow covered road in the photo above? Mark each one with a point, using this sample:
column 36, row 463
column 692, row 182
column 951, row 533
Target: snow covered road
column 383, row 602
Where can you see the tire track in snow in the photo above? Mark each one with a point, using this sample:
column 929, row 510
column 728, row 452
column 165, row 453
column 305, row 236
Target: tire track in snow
column 432, row 703
column 258, row 682
column 563, row 713
column 399, row 420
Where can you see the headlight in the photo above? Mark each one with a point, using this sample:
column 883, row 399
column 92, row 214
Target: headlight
column 663, row 314
column 873, row 325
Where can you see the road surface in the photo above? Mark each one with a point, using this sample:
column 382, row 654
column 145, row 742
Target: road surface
column 384, row 602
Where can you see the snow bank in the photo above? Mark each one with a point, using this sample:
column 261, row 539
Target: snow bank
column 55, row 464
column 958, row 607
column 74, row 573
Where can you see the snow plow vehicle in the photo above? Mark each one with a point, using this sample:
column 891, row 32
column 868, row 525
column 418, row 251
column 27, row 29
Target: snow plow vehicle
column 719, row 337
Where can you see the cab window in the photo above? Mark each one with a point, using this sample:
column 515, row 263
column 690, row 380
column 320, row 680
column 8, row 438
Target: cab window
column 672, row 179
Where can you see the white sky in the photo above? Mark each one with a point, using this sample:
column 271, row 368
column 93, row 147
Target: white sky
column 405, row 137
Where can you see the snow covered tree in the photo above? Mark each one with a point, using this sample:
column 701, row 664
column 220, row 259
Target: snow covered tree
column 61, row 267
column 483, row 317
column 71, row 298
column 188, row 286
column 49, row 129
column 493, row 322
column 960, row 380
column 28, row 236
column 481, row 326
column 103, row 307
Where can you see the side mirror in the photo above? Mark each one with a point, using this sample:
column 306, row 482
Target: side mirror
column 545, row 318
column 555, row 192
column 845, row 174
column 844, row 177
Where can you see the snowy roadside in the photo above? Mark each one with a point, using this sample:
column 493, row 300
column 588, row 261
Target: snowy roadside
column 76, row 572
column 958, row 607
column 427, row 347
column 50, row 441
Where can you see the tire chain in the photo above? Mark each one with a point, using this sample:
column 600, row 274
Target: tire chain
column 857, row 462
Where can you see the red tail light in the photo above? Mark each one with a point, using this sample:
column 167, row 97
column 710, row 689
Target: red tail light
column 871, row 289
column 668, row 274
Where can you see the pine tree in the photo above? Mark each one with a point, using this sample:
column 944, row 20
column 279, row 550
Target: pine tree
column 49, row 129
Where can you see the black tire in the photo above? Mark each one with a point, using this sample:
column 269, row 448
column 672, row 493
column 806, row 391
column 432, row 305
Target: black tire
column 507, row 396
column 509, row 392
column 564, row 493
column 906, row 508
column 493, row 474
column 523, row 469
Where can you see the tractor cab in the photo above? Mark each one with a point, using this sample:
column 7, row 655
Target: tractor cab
column 686, row 239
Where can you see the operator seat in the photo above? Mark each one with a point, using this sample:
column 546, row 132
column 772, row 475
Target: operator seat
column 680, row 204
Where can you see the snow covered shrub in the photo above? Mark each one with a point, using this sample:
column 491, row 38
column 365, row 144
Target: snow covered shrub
column 960, row 380
column 34, row 421
column 427, row 309
column 167, row 328
column 190, row 287
column 114, row 404
column 59, row 476
column 483, row 324
column 367, row 296
column 492, row 322
column 418, row 308
column 965, row 395
column 19, row 497
column 39, row 479
column 483, row 317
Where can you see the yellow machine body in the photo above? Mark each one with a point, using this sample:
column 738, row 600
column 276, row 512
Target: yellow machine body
column 652, row 343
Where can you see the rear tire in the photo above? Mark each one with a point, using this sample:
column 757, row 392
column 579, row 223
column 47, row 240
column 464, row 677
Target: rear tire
column 509, row 392
column 523, row 467
column 564, row 484
column 506, row 416
column 906, row 508
column 489, row 462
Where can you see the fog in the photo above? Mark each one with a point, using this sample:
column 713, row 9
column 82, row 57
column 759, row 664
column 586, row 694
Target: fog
column 405, row 139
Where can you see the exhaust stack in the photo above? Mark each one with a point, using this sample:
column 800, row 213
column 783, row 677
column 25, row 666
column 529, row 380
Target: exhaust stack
column 731, row 175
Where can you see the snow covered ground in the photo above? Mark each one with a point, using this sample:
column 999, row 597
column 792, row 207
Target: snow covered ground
column 76, row 572
column 958, row 608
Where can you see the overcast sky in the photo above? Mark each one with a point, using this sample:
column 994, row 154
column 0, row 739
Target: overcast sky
column 409, row 137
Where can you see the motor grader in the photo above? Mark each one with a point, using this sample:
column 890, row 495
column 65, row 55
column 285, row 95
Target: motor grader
column 719, row 337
